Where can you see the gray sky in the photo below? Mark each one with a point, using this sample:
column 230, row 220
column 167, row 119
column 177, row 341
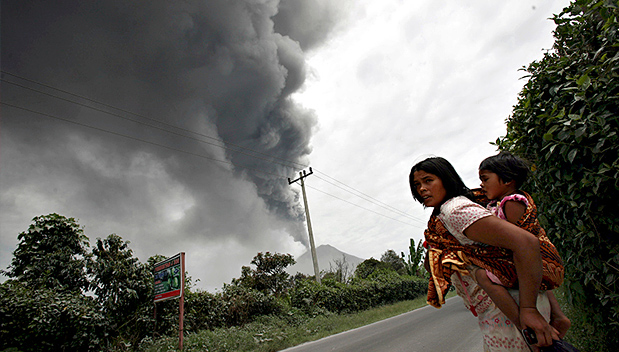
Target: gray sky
column 210, row 106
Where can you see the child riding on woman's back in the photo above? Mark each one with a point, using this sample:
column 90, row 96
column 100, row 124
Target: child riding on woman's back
column 501, row 177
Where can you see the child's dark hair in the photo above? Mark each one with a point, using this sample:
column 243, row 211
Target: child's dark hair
column 453, row 184
column 507, row 166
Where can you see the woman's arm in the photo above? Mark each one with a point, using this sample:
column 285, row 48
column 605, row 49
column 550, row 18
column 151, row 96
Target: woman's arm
column 527, row 259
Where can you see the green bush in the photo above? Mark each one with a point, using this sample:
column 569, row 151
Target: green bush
column 566, row 122
column 43, row 311
column 368, row 266
column 49, row 320
column 360, row 294
column 204, row 311
column 244, row 304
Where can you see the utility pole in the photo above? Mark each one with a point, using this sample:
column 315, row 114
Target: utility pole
column 303, row 175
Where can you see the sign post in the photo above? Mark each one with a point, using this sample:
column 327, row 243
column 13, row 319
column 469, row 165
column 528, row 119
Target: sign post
column 170, row 283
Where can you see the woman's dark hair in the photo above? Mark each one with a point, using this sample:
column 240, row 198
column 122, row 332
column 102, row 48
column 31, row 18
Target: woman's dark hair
column 508, row 167
column 453, row 184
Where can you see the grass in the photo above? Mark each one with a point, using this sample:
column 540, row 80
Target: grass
column 582, row 334
column 275, row 333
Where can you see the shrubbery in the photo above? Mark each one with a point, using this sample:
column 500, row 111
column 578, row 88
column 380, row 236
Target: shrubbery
column 41, row 312
column 567, row 122
column 359, row 295
column 46, row 304
column 50, row 320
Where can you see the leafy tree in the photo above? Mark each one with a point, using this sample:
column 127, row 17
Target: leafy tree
column 48, row 319
column 123, row 287
column 269, row 275
column 415, row 257
column 52, row 254
column 368, row 266
column 394, row 261
column 566, row 122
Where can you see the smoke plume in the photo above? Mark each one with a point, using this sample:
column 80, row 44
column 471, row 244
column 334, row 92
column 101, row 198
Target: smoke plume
column 169, row 123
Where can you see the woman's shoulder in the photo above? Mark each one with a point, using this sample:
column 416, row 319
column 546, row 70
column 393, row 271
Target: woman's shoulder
column 456, row 203
column 462, row 206
column 459, row 213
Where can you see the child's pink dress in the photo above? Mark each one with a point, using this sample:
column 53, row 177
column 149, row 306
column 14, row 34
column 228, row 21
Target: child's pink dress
column 498, row 209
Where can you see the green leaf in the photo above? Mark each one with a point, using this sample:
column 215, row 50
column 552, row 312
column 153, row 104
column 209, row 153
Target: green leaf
column 553, row 129
column 579, row 132
column 571, row 155
column 598, row 146
column 584, row 81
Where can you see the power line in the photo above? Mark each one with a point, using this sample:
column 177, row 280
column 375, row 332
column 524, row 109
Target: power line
column 239, row 149
column 129, row 137
column 243, row 150
column 368, row 198
column 364, row 208
column 180, row 151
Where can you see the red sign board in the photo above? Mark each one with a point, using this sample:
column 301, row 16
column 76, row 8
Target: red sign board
column 169, row 278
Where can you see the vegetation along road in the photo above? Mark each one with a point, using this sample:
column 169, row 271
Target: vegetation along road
column 451, row 328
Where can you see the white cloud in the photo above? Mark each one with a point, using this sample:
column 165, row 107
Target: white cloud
column 405, row 81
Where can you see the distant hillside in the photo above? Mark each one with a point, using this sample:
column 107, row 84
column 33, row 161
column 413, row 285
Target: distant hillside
column 327, row 256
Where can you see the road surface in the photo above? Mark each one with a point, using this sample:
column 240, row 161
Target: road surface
column 427, row 329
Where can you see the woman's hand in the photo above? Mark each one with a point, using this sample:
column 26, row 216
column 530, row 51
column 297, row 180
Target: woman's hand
column 531, row 317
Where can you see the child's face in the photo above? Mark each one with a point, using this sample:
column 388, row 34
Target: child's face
column 493, row 186
column 429, row 187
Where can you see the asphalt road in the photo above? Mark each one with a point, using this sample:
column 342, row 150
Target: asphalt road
column 427, row 329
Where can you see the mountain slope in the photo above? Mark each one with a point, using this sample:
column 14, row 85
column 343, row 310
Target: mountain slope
column 328, row 257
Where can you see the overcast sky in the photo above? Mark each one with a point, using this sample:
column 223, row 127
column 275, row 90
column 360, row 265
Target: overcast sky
column 177, row 125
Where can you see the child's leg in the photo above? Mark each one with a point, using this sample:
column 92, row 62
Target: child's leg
column 499, row 295
column 558, row 319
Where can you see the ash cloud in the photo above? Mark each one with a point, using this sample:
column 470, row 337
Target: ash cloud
column 222, row 71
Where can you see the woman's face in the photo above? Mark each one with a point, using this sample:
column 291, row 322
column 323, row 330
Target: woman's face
column 429, row 187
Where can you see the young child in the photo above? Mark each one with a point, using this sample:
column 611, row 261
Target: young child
column 501, row 177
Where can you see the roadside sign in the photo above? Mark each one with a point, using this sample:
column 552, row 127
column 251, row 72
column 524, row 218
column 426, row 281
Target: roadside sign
column 169, row 278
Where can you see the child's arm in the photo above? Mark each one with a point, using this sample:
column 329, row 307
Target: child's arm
column 558, row 319
column 499, row 295
column 514, row 210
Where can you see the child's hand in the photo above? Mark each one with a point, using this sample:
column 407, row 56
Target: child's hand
column 561, row 323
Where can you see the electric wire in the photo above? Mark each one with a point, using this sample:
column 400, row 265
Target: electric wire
column 239, row 149
column 243, row 150
column 182, row 151
column 364, row 208
column 129, row 137
column 369, row 199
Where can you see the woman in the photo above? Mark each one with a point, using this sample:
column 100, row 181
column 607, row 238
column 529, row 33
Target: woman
column 435, row 183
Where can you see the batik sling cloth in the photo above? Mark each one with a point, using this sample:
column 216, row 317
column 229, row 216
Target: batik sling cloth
column 446, row 255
